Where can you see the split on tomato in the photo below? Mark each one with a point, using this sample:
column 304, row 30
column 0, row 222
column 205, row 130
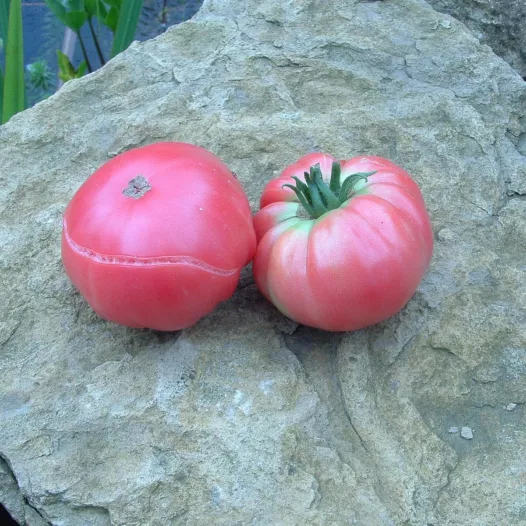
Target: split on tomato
column 157, row 236
column 341, row 245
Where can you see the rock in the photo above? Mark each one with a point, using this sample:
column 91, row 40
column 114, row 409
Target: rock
column 246, row 418
column 466, row 432
column 497, row 23
column 13, row 500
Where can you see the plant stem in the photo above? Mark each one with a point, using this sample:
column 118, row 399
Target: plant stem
column 96, row 42
column 163, row 17
column 84, row 52
column 317, row 197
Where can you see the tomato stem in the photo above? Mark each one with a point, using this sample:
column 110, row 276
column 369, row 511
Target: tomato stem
column 317, row 197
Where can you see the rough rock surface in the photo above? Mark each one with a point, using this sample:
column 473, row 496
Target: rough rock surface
column 246, row 418
column 498, row 23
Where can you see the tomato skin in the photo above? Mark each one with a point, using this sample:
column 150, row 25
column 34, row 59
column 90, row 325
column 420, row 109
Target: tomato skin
column 354, row 266
column 167, row 258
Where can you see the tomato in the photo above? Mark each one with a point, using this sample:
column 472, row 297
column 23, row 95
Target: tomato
column 157, row 236
column 338, row 251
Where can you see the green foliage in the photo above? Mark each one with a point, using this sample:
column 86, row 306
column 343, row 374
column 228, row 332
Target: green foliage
column 70, row 12
column 39, row 75
column 1, row 93
column 112, row 16
column 121, row 17
column 40, row 82
column 4, row 18
column 66, row 70
column 96, row 8
column 126, row 25
column 13, row 83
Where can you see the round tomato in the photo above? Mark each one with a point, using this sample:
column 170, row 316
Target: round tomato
column 157, row 236
column 341, row 245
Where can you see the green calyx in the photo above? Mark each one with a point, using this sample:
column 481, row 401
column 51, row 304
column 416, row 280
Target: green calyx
column 317, row 197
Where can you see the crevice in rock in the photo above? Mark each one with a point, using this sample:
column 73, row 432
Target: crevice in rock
column 303, row 343
column 317, row 353
column 512, row 194
column 404, row 349
column 508, row 196
column 5, row 517
column 447, row 351
column 23, row 497
column 347, row 414
column 444, row 487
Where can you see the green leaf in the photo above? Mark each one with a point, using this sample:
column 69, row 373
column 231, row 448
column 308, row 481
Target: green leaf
column 328, row 197
column 81, row 70
column 114, row 3
column 301, row 198
column 66, row 69
column 14, row 89
column 4, row 21
column 70, row 12
column 58, row 10
column 111, row 19
column 74, row 5
column 4, row 18
column 1, row 93
column 76, row 19
column 96, row 8
column 302, row 186
column 110, row 16
column 317, row 202
column 335, row 177
column 126, row 26
column 350, row 182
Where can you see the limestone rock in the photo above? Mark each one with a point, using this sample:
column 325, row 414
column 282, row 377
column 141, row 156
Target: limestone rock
column 245, row 418
column 497, row 23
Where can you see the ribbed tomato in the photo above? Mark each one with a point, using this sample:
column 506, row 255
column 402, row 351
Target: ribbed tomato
column 157, row 236
column 341, row 245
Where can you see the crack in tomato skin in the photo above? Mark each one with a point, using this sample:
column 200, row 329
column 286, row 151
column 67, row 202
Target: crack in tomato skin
column 167, row 250
column 138, row 261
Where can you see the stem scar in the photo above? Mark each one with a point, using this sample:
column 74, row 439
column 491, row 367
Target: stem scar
column 137, row 187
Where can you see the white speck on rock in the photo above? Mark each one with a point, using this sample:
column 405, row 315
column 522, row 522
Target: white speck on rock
column 466, row 433
column 246, row 407
column 238, row 397
column 240, row 402
column 445, row 234
column 452, row 430
column 266, row 386
column 511, row 407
